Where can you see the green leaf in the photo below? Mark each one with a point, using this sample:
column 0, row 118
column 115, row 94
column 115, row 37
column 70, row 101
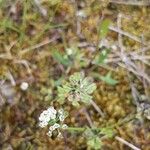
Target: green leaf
column 78, row 89
column 85, row 98
column 85, row 82
column 63, row 92
column 88, row 133
column 108, row 79
column 90, row 89
column 66, row 114
column 61, row 100
column 56, row 2
column 104, row 28
column 60, row 58
column 109, row 132
column 52, row 121
column 8, row 24
column 95, row 143
column 76, row 78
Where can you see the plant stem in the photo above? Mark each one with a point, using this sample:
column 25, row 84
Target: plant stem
column 97, row 108
column 81, row 129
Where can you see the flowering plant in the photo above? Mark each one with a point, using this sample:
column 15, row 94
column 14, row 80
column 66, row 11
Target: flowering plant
column 77, row 90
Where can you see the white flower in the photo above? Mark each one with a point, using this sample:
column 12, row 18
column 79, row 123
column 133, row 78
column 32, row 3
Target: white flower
column 49, row 116
column 69, row 51
column 52, row 112
column 54, row 127
column 62, row 117
column 43, row 124
column 61, row 111
column 51, row 128
column 104, row 52
column 61, row 114
column 64, row 126
column 49, row 133
column 46, row 116
column 81, row 14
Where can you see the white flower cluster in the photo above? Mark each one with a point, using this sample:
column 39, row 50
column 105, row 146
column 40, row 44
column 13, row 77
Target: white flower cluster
column 54, row 127
column 61, row 115
column 52, row 115
column 46, row 116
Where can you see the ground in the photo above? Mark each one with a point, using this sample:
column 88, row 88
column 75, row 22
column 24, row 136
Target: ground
column 43, row 42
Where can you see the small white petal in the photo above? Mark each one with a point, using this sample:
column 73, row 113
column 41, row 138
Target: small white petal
column 52, row 110
column 81, row 13
column 61, row 117
column 69, row 51
column 59, row 135
column 48, row 114
column 43, row 124
column 104, row 52
column 61, row 111
column 64, row 126
column 49, row 133
column 56, row 125
column 44, row 116
column 51, row 128
column 52, row 116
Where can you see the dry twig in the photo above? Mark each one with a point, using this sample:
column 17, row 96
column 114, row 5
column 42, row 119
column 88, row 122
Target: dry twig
column 126, row 143
column 131, row 2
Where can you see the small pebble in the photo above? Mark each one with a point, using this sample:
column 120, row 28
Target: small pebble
column 24, row 86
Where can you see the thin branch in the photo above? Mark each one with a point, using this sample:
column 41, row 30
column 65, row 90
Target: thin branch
column 130, row 65
column 131, row 2
column 11, row 78
column 25, row 63
column 88, row 117
column 138, row 74
column 97, row 108
column 141, row 51
column 126, row 143
column 116, row 29
column 26, row 50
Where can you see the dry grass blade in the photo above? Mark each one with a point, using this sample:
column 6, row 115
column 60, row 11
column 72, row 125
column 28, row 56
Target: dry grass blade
column 26, row 50
column 11, row 78
column 25, row 63
column 126, row 143
column 127, row 61
column 131, row 2
column 144, row 49
column 97, row 108
column 118, row 30
column 88, row 117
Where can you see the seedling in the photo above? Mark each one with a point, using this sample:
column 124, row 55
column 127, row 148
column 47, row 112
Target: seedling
column 77, row 90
